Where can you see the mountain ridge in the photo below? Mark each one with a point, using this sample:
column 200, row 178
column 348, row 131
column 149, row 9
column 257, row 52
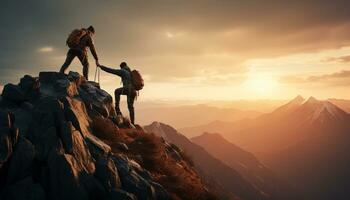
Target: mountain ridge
column 61, row 139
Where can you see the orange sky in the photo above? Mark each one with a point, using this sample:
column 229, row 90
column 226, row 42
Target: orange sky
column 196, row 50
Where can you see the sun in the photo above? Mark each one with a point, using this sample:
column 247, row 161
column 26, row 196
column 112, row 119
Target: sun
column 261, row 84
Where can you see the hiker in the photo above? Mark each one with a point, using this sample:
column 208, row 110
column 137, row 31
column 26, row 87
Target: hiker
column 78, row 42
column 132, row 82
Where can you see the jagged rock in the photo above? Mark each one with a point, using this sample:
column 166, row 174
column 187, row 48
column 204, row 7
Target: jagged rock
column 29, row 83
column 21, row 164
column 30, row 86
column 132, row 181
column 93, row 186
column 45, row 142
column 107, row 174
column 64, row 176
column 25, row 189
column 6, row 145
column 50, row 148
column 161, row 193
column 13, row 93
column 122, row 146
column 121, row 195
column 27, row 106
column 5, row 119
column 8, row 137
column 138, row 186
column 50, row 77
column 23, row 116
column 65, row 87
column 76, row 78
column 75, row 145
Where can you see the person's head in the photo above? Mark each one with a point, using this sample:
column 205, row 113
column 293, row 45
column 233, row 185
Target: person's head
column 123, row 65
column 91, row 29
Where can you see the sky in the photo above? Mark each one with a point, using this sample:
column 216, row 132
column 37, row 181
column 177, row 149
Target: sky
column 190, row 49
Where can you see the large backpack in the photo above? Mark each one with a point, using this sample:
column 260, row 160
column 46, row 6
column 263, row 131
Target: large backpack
column 75, row 36
column 137, row 80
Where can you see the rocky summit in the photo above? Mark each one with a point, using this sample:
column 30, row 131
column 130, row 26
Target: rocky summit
column 61, row 139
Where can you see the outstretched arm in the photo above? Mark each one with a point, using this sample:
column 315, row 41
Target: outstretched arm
column 92, row 48
column 110, row 70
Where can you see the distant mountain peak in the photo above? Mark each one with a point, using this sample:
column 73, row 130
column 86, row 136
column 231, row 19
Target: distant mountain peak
column 322, row 110
column 312, row 99
column 299, row 99
column 211, row 135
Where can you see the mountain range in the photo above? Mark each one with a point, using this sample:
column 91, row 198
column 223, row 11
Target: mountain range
column 242, row 175
column 305, row 142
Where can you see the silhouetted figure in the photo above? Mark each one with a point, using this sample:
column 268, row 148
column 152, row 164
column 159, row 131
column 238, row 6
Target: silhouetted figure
column 79, row 41
column 128, row 88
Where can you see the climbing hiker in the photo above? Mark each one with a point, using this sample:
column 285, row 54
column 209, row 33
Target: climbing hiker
column 78, row 42
column 132, row 82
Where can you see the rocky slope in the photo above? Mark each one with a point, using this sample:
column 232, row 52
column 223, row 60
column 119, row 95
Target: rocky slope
column 233, row 183
column 60, row 139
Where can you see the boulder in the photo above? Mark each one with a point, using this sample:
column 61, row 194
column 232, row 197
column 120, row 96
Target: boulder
column 29, row 83
column 21, row 164
column 44, row 141
column 6, row 145
column 8, row 140
column 121, row 195
column 160, row 192
column 97, row 99
column 75, row 145
column 50, row 77
column 107, row 174
column 64, row 177
column 64, row 87
column 140, row 187
column 14, row 93
column 30, row 86
column 25, row 189
column 76, row 78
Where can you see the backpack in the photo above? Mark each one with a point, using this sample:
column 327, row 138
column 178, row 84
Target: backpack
column 75, row 36
column 137, row 80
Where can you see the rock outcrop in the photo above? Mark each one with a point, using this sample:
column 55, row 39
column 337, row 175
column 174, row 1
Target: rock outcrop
column 48, row 149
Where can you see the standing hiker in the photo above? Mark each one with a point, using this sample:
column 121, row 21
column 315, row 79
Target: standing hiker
column 78, row 42
column 132, row 82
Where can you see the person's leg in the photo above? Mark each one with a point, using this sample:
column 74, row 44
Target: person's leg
column 85, row 62
column 117, row 94
column 69, row 58
column 131, row 99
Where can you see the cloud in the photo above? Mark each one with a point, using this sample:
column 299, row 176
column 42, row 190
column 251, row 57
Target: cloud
column 341, row 78
column 45, row 49
column 342, row 59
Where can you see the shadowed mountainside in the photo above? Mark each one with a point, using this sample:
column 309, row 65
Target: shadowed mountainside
column 246, row 164
column 232, row 179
